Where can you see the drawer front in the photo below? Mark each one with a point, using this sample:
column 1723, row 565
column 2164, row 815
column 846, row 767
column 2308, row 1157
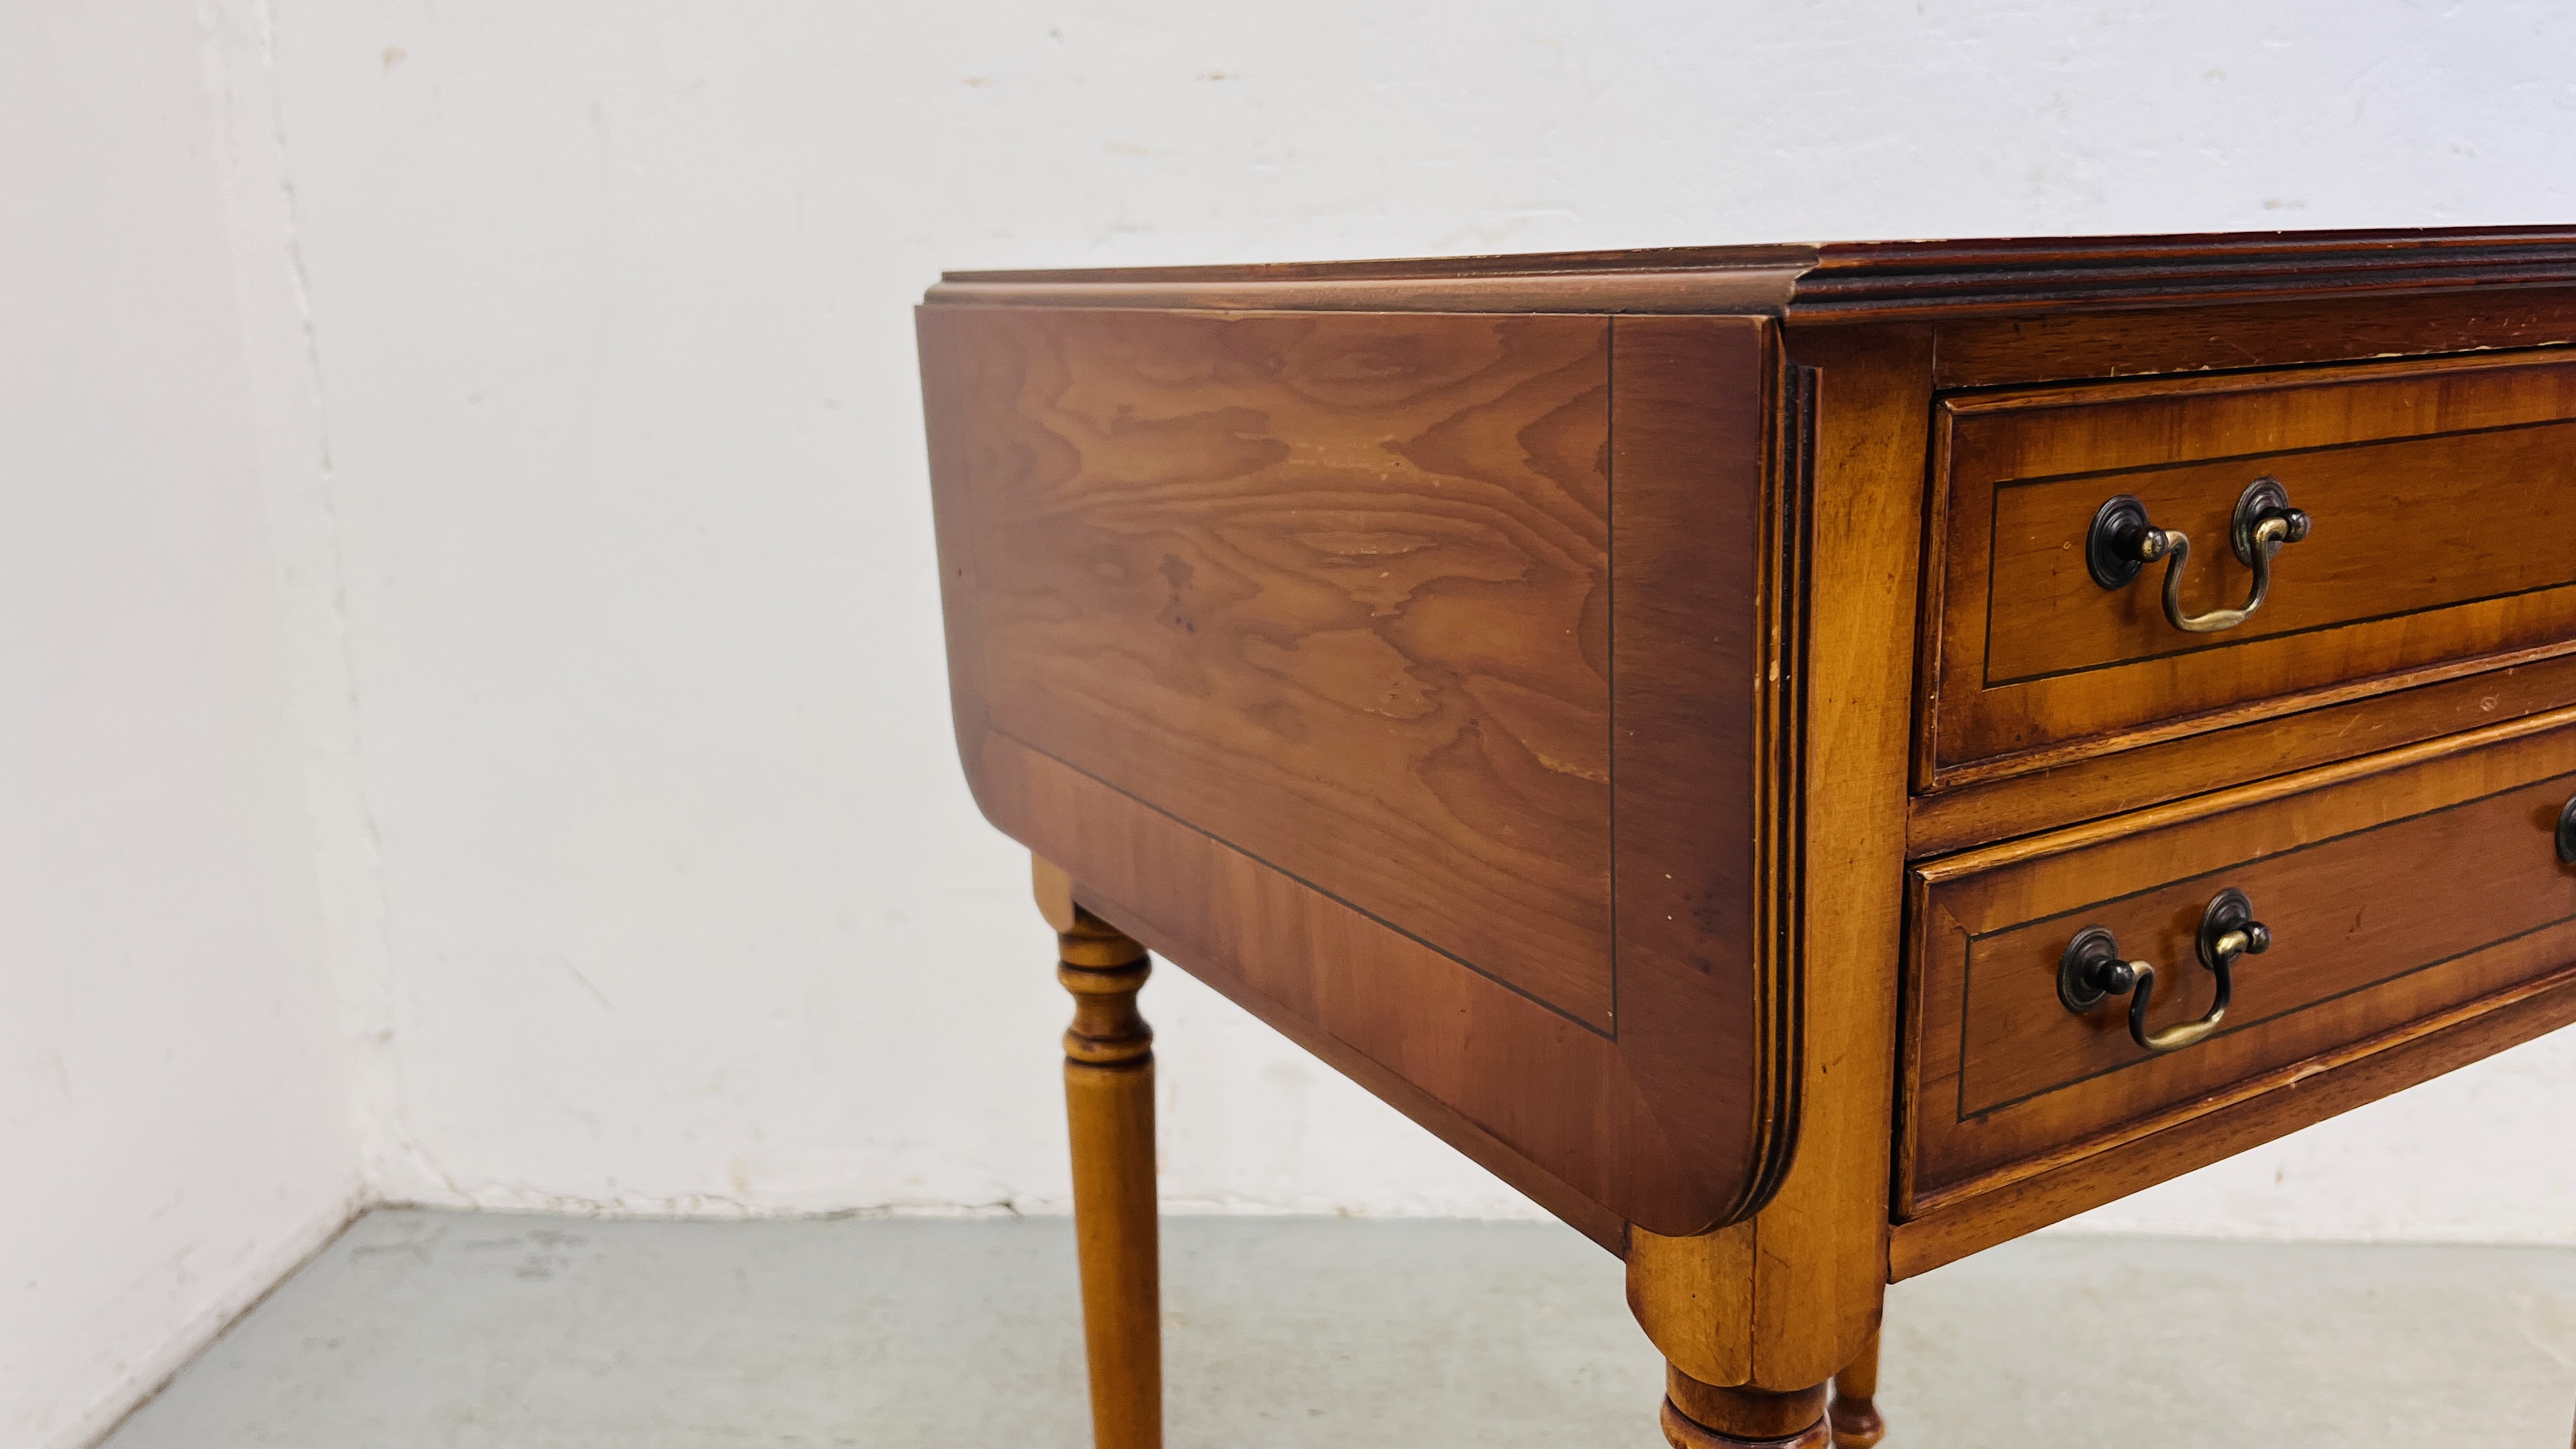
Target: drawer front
column 2398, row 893
column 2443, row 504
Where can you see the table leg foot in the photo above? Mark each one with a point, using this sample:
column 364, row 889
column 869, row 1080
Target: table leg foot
column 1853, row 1412
column 1109, row 1105
column 1703, row 1416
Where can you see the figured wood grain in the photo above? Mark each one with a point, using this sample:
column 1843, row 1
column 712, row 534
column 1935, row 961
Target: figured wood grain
column 1578, row 831
column 2261, row 748
column 2087, row 1174
column 1453, row 1050
column 1245, row 648
column 2396, row 550
column 2078, row 342
column 1782, row 1301
column 2363, row 909
column 2411, row 470
column 1334, row 588
column 1705, row 607
column 2393, row 894
column 1303, row 961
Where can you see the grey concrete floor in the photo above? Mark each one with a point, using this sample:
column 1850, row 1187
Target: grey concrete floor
column 460, row 1331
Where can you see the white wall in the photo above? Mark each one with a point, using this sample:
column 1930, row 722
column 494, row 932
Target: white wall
column 588, row 718
column 174, row 1121
column 684, row 908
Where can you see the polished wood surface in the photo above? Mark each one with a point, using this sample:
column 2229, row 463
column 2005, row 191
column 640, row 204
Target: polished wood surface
column 1854, row 281
column 2443, row 495
column 2080, row 342
column 1646, row 715
column 1683, row 1432
column 1782, row 1300
column 1854, row 1409
column 1334, row 589
column 1707, row 724
column 2087, row 1174
column 1109, row 1108
column 1698, row 1415
column 2391, row 713
column 2417, row 885
column 1346, row 988
column 1371, row 642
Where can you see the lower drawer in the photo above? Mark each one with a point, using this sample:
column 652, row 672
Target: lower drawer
column 2393, row 889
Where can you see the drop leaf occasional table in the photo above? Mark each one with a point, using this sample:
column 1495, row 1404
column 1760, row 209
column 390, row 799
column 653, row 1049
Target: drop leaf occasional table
column 1808, row 761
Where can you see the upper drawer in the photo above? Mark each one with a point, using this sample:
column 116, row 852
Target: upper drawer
column 2398, row 893
column 2442, row 497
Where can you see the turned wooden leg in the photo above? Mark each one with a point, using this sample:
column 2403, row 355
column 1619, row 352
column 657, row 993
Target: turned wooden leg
column 1854, row 1415
column 1703, row 1416
column 1109, row 1104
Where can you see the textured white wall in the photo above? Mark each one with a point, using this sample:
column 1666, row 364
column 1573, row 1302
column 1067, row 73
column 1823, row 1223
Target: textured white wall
column 676, row 901
column 174, row 1121
column 466, row 603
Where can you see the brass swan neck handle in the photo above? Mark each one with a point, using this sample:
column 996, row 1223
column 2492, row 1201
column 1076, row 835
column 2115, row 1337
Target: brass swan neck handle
column 2092, row 971
column 2124, row 540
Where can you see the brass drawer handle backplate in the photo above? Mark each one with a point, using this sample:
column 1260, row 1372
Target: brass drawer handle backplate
column 2123, row 541
column 2092, row 970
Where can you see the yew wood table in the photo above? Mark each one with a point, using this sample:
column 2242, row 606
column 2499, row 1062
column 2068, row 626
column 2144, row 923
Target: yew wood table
column 1808, row 761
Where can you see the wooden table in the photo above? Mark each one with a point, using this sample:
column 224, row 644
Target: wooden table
column 1808, row 761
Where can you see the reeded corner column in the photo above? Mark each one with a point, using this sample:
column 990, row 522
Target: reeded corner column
column 1109, row 1107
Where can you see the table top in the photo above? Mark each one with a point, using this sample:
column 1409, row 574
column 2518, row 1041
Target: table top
column 1880, row 280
